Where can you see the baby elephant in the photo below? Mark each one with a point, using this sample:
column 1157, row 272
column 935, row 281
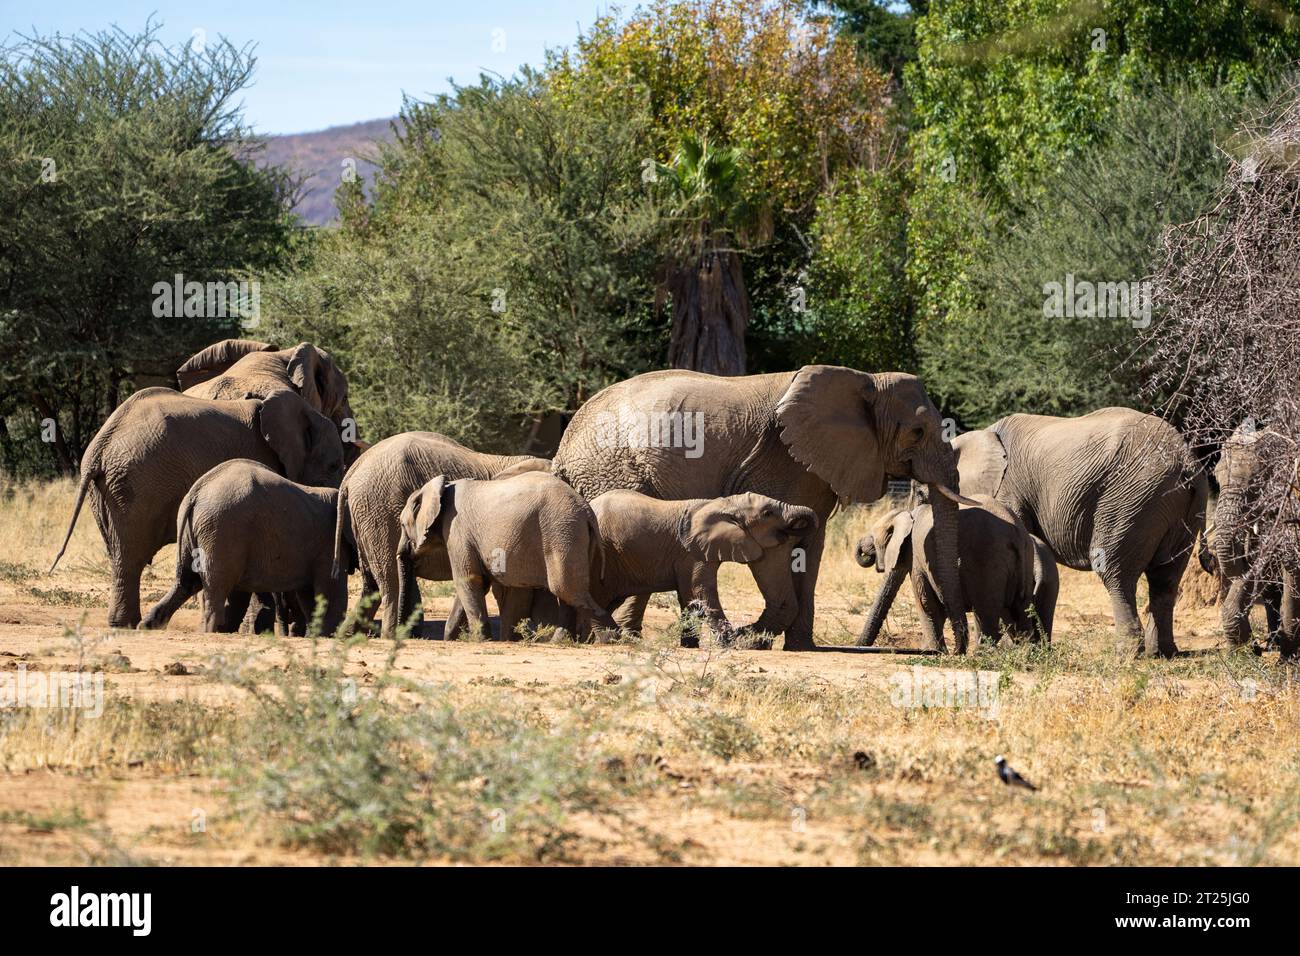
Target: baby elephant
column 525, row 532
column 653, row 545
column 242, row 527
column 1005, row 571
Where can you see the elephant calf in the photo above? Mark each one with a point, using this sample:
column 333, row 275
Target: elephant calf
column 522, row 533
column 1004, row 571
column 244, row 528
column 653, row 545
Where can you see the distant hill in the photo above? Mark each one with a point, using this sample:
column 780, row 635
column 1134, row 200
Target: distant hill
column 319, row 158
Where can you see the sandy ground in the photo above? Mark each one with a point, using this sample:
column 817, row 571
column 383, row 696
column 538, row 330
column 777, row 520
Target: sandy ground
column 1160, row 752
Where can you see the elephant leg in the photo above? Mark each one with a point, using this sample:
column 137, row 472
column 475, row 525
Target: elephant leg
column 1272, row 601
column 1162, row 586
column 697, row 589
column 215, row 594
column 456, row 626
column 513, row 605
column 124, row 595
column 932, row 613
column 988, row 623
column 161, row 613
column 1289, row 644
column 1123, row 607
column 799, row 635
column 236, row 611
column 631, row 613
column 471, row 591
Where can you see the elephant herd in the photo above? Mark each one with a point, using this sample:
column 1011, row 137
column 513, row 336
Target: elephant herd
column 256, row 471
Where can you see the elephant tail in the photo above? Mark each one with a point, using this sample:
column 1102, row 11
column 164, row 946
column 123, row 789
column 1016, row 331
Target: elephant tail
column 90, row 472
column 345, row 557
column 597, row 547
column 185, row 565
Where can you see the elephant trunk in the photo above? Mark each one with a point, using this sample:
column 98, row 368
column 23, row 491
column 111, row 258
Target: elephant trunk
column 880, row 607
column 407, row 593
column 799, row 519
column 947, row 580
column 1230, row 544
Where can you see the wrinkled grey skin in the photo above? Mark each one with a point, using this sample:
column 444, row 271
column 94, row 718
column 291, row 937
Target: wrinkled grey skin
column 1003, row 577
column 258, row 532
column 372, row 496
column 523, row 532
column 653, row 545
column 158, row 443
column 1235, row 542
column 809, row 438
column 1115, row 491
column 243, row 368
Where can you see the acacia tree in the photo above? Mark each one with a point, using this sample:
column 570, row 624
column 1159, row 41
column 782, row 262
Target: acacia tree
column 122, row 163
column 1225, row 354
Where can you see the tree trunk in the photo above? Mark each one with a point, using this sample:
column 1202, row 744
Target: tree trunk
column 710, row 314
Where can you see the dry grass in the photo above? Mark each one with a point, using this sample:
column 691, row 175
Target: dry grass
column 647, row 753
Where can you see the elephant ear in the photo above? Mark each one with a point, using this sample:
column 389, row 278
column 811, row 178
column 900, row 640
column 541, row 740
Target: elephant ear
column 284, row 424
column 216, row 359
column 981, row 462
column 900, row 533
column 306, row 371
column 713, row 532
column 826, row 422
column 421, row 511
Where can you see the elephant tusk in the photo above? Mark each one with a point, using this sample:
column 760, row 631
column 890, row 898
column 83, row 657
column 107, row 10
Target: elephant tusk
column 953, row 496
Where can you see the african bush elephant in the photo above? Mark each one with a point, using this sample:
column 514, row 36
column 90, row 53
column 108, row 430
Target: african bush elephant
column 1234, row 549
column 1003, row 575
column 243, row 526
column 158, row 442
column 653, row 545
column 242, row 368
column 527, row 531
column 1115, row 491
column 373, row 494
column 811, row 438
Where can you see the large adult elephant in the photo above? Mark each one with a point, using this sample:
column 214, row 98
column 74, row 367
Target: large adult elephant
column 814, row 437
column 158, row 442
column 244, row 368
column 371, row 498
column 1115, row 491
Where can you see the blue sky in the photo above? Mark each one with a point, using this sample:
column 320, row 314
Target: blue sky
column 328, row 62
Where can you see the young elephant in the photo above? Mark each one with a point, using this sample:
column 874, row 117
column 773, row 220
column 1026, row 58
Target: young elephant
column 243, row 527
column 653, row 545
column 528, row 531
column 1004, row 571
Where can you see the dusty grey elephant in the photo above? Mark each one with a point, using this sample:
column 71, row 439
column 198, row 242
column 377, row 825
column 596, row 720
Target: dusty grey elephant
column 158, row 442
column 1115, row 491
column 529, row 531
column 373, row 494
column 810, row 438
column 243, row 368
column 652, row 545
column 1234, row 548
column 244, row 527
column 1005, row 572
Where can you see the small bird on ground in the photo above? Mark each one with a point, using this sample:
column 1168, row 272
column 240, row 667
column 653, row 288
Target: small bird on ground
column 1009, row 776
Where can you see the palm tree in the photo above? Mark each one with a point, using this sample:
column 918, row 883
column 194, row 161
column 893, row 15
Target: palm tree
column 703, row 276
